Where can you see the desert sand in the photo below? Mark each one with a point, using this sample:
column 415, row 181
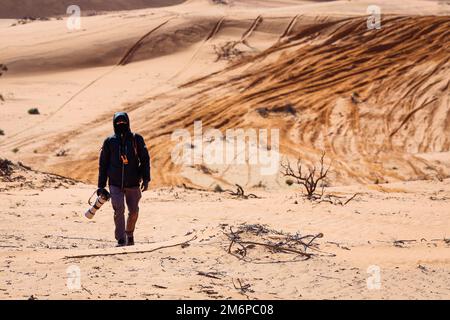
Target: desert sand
column 376, row 101
column 401, row 228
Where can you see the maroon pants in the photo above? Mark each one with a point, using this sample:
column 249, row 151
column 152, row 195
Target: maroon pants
column 118, row 198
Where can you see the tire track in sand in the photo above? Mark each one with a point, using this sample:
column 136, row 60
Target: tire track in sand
column 289, row 28
column 210, row 36
column 253, row 27
column 129, row 54
column 123, row 61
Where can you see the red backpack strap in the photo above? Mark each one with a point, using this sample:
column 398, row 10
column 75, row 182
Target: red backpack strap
column 135, row 145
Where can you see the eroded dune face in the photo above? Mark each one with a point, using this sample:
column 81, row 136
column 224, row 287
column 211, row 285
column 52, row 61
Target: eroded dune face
column 373, row 100
column 376, row 101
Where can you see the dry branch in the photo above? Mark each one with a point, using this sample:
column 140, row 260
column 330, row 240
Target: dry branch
column 335, row 200
column 313, row 178
column 208, row 274
column 309, row 180
column 228, row 51
column 186, row 187
column 240, row 193
column 286, row 243
column 276, row 248
column 243, row 288
column 181, row 244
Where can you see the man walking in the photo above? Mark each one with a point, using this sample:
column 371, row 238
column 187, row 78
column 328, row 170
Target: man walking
column 124, row 163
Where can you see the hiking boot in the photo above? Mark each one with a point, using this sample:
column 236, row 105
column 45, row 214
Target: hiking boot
column 130, row 241
column 121, row 243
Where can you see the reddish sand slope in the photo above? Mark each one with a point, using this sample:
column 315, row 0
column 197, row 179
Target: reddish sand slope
column 44, row 8
column 377, row 101
column 373, row 100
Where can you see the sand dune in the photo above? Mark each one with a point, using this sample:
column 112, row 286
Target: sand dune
column 45, row 8
column 358, row 94
column 342, row 89
column 376, row 101
column 368, row 99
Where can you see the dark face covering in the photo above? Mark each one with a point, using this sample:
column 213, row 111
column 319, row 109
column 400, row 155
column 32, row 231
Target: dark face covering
column 122, row 128
column 121, row 124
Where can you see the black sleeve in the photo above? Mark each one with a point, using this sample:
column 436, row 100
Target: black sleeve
column 103, row 165
column 144, row 158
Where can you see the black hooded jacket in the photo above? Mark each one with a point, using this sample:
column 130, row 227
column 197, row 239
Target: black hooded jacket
column 129, row 145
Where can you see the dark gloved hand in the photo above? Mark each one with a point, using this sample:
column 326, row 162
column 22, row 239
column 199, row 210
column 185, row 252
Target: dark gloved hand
column 101, row 191
column 144, row 186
